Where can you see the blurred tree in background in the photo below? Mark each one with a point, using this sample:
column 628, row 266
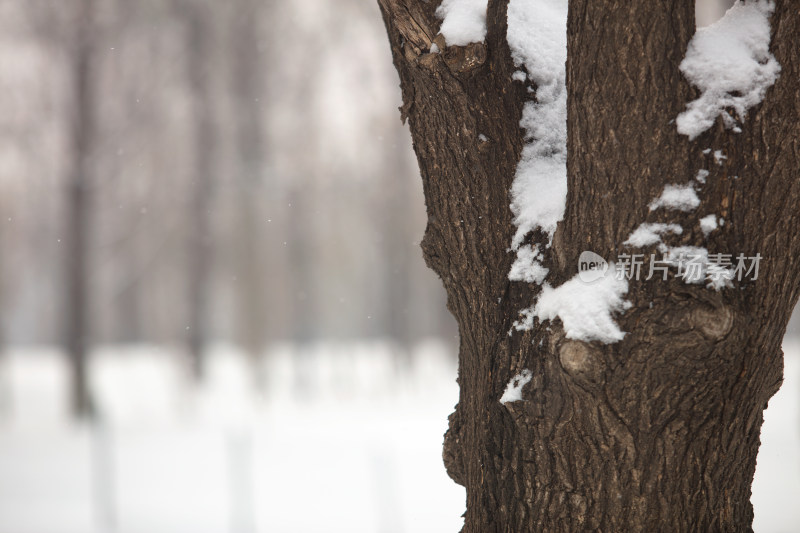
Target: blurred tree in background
column 186, row 172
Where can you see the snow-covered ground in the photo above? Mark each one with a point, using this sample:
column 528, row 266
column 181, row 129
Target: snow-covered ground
column 342, row 438
column 776, row 488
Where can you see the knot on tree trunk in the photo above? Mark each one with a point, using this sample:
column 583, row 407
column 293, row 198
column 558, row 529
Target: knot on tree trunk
column 714, row 322
column 580, row 359
column 465, row 58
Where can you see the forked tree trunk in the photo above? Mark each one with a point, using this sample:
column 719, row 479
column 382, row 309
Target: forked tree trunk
column 660, row 431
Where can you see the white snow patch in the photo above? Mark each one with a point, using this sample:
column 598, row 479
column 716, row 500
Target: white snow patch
column 680, row 197
column 708, row 224
column 538, row 194
column 586, row 309
column 527, row 266
column 718, row 277
column 694, row 267
column 537, row 37
column 434, row 48
column 513, row 392
column 719, row 156
column 730, row 63
column 702, row 176
column 519, row 75
column 463, row 21
column 650, row 233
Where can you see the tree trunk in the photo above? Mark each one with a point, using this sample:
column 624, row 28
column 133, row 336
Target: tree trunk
column 248, row 88
column 658, row 432
column 78, row 209
column 199, row 36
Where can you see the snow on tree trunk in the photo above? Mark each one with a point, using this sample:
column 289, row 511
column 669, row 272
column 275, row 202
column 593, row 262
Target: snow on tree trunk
column 657, row 427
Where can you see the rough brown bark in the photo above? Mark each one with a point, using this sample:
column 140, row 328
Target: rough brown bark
column 658, row 432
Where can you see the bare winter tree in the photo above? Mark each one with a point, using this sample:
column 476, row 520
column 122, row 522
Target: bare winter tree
column 656, row 429
column 199, row 17
column 249, row 90
column 79, row 205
